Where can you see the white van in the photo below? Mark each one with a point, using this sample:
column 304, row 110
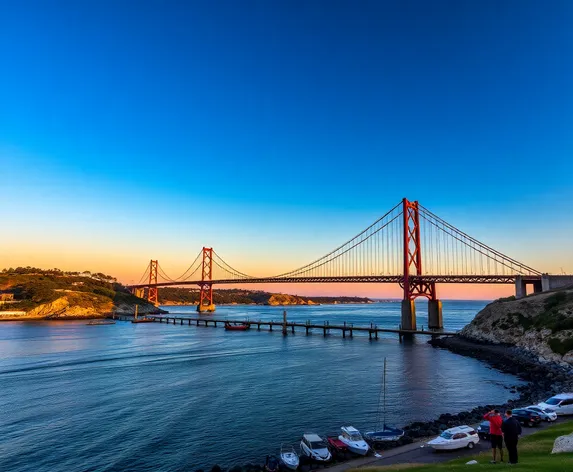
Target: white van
column 561, row 404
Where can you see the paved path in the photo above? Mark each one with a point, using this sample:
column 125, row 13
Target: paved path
column 419, row 453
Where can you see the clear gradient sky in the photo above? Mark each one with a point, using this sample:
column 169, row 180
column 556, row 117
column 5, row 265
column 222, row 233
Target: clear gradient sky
column 275, row 130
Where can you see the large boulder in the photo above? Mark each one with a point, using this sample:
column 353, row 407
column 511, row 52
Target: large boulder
column 563, row 444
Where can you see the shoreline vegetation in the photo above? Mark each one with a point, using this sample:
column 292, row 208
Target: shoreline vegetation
column 190, row 296
column 29, row 293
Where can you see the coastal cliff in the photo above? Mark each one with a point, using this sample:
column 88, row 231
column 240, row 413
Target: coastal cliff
column 540, row 325
column 29, row 293
column 282, row 299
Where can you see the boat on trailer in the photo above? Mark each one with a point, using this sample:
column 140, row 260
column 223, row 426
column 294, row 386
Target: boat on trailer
column 289, row 458
column 386, row 433
column 236, row 326
column 336, row 444
column 353, row 440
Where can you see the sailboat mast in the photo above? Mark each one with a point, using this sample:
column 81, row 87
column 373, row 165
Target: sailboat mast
column 384, row 393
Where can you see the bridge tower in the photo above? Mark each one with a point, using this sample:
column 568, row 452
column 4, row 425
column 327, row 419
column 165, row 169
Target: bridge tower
column 413, row 284
column 206, row 304
column 152, row 289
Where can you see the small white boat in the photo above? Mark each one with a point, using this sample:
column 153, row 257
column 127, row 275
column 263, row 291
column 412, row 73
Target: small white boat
column 315, row 448
column 289, row 457
column 353, row 440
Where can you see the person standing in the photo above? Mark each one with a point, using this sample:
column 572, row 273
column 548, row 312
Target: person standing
column 495, row 433
column 511, row 430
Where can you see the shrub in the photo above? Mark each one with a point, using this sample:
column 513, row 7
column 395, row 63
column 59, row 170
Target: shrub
column 553, row 301
column 106, row 292
column 561, row 346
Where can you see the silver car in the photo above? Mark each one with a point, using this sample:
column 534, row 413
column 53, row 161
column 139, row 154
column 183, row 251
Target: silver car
column 546, row 414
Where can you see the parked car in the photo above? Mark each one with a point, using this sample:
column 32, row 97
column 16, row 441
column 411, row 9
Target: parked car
column 455, row 438
column 562, row 404
column 315, row 448
column 545, row 414
column 483, row 430
column 527, row 417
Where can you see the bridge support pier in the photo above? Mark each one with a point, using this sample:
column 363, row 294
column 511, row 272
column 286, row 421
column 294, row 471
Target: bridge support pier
column 435, row 319
column 521, row 286
column 206, row 308
column 408, row 314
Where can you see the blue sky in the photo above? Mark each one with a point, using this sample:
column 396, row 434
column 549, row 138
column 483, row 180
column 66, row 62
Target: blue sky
column 275, row 130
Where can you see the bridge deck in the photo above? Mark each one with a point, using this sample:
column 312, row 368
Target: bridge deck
column 447, row 279
column 345, row 328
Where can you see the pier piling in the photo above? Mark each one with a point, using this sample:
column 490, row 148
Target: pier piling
column 346, row 329
column 285, row 332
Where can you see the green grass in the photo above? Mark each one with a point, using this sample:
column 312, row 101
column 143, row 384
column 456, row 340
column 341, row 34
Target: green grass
column 534, row 456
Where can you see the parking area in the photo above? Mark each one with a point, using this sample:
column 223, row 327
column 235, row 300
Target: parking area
column 418, row 452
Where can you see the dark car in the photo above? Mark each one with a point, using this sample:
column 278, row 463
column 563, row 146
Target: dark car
column 527, row 417
column 483, row 430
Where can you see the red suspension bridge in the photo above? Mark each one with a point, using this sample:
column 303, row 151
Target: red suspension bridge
column 409, row 246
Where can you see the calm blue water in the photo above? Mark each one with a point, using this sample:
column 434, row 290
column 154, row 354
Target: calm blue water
column 172, row 398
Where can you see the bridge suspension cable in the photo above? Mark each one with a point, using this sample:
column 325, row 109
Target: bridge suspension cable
column 373, row 251
column 448, row 251
column 187, row 275
column 228, row 271
column 145, row 274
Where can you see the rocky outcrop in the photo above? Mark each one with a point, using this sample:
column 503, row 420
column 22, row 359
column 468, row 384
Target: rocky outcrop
column 83, row 305
column 563, row 444
column 281, row 299
column 541, row 325
column 67, row 306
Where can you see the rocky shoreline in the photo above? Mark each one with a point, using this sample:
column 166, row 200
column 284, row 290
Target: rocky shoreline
column 542, row 381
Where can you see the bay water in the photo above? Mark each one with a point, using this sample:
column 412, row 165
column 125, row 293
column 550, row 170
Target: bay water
column 161, row 397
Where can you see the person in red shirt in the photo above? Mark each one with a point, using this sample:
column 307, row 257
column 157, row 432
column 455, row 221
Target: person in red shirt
column 495, row 434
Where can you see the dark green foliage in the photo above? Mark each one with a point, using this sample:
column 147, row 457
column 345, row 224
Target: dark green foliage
column 105, row 292
column 558, row 298
column 57, row 272
column 239, row 296
column 505, row 299
column 552, row 318
column 522, row 320
column 560, row 346
column 33, row 287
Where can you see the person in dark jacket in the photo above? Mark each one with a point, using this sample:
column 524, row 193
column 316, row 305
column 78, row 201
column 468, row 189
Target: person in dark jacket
column 511, row 430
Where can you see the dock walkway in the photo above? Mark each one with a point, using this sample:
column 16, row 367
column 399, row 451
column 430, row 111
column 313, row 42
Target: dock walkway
column 347, row 329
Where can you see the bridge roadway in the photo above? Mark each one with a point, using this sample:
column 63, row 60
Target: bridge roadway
column 345, row 328
column 444, row 279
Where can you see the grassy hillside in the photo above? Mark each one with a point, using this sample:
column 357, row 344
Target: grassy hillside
column 534, row 456
column 174, row 295
column 54, row 292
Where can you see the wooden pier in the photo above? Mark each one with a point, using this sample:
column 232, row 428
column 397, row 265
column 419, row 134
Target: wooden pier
column 346, row 329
